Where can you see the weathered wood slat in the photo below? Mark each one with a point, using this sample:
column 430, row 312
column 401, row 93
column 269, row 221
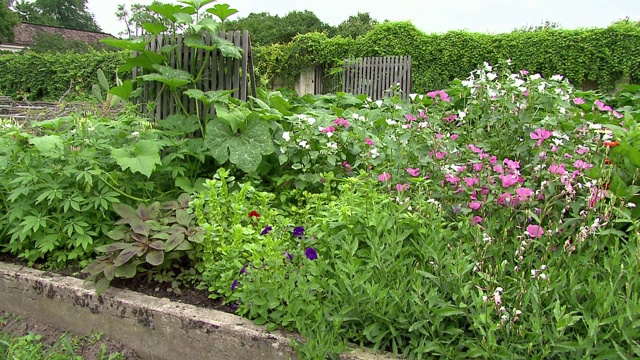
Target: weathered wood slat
column 375, row 76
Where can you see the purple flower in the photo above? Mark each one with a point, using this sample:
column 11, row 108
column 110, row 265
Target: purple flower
column 311, row 253
column 288, row 255
column 233, row 307
column 234, row 284
column 243, row 271
column 298, row 231
column 266, row 230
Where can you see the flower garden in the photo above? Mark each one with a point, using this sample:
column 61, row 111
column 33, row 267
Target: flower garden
column 495, row 218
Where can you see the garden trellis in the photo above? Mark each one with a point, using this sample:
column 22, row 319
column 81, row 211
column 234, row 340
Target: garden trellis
column 221, row 73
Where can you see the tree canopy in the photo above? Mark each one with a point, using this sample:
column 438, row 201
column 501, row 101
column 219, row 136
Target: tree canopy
column 8, row 20
column 70, row 14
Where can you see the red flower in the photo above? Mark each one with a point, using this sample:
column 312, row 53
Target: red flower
column 611, row 144
column 254, row 214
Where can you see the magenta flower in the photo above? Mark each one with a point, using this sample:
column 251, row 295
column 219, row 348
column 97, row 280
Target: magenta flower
column 475, row 205
column 583, row 165
column 524, row 72
column 475, row 220
column 369, row 142
column 578, row 101
column 341, row 122
column 328, row 129
column 409, row 117
column 475, row 149
column 384, row 177
column 451, row 179
column 535, row 231
column 413, row 172
column 540, row 135
column 454, row 137
column 508, row 180
column 617, row 115
column 311, row 253
column 493, row 160
column 524, row 193
column 582, row 150
column 477, row 166
column 439, row 93
column 440, row 155
column 513, row 165
column 602, row 106
column 557, row 169
column 402, row 187
column 471, row 181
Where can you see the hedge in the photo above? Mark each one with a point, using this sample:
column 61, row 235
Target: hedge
column 47, row 76
column 599, row 55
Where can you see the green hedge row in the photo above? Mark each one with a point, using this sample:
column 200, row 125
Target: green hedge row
column 48, row 76
column 602, row 56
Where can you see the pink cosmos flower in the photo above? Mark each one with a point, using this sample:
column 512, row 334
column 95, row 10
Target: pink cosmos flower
column 582, row 150
column 535, row 231
column 508, row 180
column 454, row 137
column 475, row 149
column 493, row 160
column 413, row 172
column 341, row 122
column 402, row 187
column 578, row 101
column 369, row 142
column 602, row 106
column 524, row 193
column 557, row 169
column 409, row 117
column 384, row 177
column 477, row 166
column 328, row 129
column 540, row 135
column 475, row 220
column 470, row 181
column 440, row 155
column 439, row 93
column 582, row 165
column 475, row 205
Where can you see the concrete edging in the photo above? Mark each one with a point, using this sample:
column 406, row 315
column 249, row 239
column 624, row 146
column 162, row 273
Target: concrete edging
column 156, row 328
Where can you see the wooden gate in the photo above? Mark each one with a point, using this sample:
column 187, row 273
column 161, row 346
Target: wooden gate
column 375, row 75
column 220, row 73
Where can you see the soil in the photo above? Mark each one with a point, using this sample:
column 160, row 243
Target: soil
column 185, row 295
column 89, row 346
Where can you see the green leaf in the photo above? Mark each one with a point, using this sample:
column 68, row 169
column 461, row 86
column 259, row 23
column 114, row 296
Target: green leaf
column 183, row 218
column 134, row 45
column 125, row 255
column 155, row 257
column 183, row 18
column 142, row 158
column 245, row 150
column 197, row 42
column 112, row 247
column 102, row 80
column 210, row 97
column 145, row 60
column 126, row 212
column 165, row 10
column 102, row 285
column 48, row 145
column 209, row 24
column 169, row 76
column 154, row 28
column 123, row 91
column 197, row 4
column 126, row 271
column 222, row 11
column 158, row 245
column 634, row 156
column 175, row 239
column 226, row 47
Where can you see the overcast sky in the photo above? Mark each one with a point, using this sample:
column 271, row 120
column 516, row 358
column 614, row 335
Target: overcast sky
column 431, row 16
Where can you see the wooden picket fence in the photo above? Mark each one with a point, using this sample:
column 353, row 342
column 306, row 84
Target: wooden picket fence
column 375, row 75
column 220, row 73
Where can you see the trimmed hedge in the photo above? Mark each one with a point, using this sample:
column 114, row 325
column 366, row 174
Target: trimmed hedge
column 47, row 76
column 601, row 55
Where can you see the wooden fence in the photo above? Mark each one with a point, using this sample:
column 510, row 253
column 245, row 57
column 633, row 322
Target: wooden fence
column 220, row 73
column 375, row 75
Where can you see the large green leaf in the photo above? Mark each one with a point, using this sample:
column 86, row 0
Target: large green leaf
column 226, row 47
column 48, row 145
column 169, row 76
column 208, row 23
column 183, row 18
column 154, row 28
column 198, row 4
column 244, row 149
column 123, row 91
column 141, row 157
column 209, row 97
column 145, row 60
column 222, row 11
column 167, row 11
column 197, row 42
column 135, row 45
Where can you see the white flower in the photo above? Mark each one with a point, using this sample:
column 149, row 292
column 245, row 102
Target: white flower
column 504, row 317
column 499, row 289
column 593, row 126
column 542, row 86
column 508, row 61
column 413, row 96
column 518, row 312
column 467, row 83
column 543, row 267
column 492, row 93
column 8, row 126
column 487, row 67
column 133, row 133
column 304, row 144
column 311, row 121
column 491, row 76
column 485, row 298
column 461, row 115
column 332, row 145
column 379, row 103
column 369, row 99
column 630, row 205
column 542, row 276
column 518, row 82
column 557, row 77
column 374, row 153
column 286, row 136
column 398, row 107
column 92, row 128
column 391, row 122
column 486, row 237
column 535, row 76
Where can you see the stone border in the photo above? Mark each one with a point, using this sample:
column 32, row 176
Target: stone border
column 156, row 328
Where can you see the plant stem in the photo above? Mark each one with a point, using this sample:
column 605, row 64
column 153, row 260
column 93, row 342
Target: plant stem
column 120, row 191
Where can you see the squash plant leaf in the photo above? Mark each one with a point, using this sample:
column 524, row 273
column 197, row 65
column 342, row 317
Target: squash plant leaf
column 222, row 11
column 141, row 157
column 48, row 145
column 197, row 42
column 154, row 28
column 226, row 47
column 135, row 45
column 242, row 148
column 209, row 97
column 169, row 76
column 123, row 91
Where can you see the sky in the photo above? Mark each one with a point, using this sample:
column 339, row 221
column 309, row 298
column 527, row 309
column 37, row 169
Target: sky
column 488, row 16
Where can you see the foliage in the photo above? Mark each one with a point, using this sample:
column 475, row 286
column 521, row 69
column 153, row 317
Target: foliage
column 355, row 26
column 155, row 235
column 581, row 55
column 137, row 15
column 44, row 42
column 457, row 225
column 69, row 14
column 55, row 73
column 8, row 20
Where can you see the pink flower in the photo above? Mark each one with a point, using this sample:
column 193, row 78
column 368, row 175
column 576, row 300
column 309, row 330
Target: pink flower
column 513, row 165
column 579, row 164
column 470, row 181
column 451, row 179
column 540, row 135
column 341, row 122
column 504, row 198
column 498, row 168
column 369, row 142
column 475, row 220
column 617, row 114
column 578, row 101
column 328, row 129
column 508, row 180
column 557, row 169
column 535, row 231
column 524, row 72
column 402, row 187
column 493, row 160
column 477, row 166
column 409, row 117
column 347, row 166
column 525, row 93
column 438, row 136
column 475, row 149
column 475, row 205
column 413, row 172
column 384, row 177
column 441, row 93
column 582, row 150
column 524, row 193
column 602, row 106
column 454, row 137
column 440, row 155
column 423, row 114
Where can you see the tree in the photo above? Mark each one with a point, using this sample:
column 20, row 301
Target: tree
column 70, row 14
column 356, row 25
column 135, row 16
column 8, row 20
column 266, row 29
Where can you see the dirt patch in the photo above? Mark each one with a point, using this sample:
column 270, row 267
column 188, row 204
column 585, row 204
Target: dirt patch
column 90, row 346
column 185, row 295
